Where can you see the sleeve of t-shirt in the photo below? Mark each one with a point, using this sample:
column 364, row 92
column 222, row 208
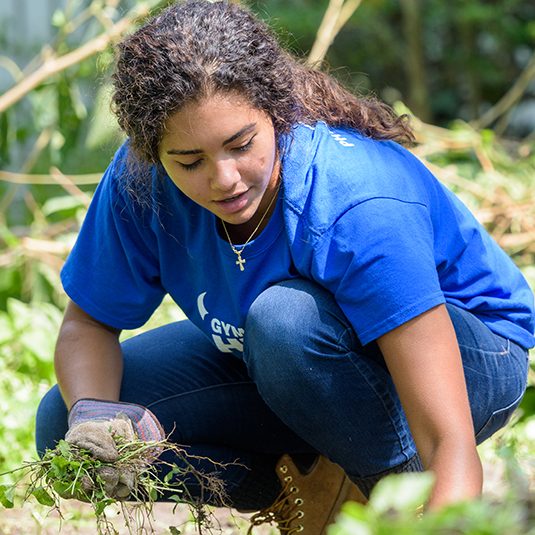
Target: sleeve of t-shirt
column 378, row 261
column 113, row 273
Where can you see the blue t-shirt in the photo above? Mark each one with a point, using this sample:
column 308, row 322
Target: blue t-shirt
column 363, row 218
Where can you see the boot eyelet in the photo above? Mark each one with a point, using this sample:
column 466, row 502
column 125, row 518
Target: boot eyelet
column 298, row 501
column 288, row 478
column 283, row 469
column 300, row 527
column 300, row 514
column 294, row 489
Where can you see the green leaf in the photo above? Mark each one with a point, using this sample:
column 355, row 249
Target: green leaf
column 100, row 506
column 58, row 18
column 20, row 313
column 103, row 127
column 401, row 492
column 8, row 236
column 43, row 497
column 174, row 531
column 354, row 519
column 350, row 526
column 4, row 137
column 74, row 465
column 64, row 448
column 65, row 203
column 59, row 466
column 44, row 105
column 527, row 406
column 62, row 488
column 6, row 330
column 6, row 496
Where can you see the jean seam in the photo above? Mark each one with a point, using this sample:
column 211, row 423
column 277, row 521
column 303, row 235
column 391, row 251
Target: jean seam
column 339, row 341
column 503, row 353
column 197, row 390
column 511, row 407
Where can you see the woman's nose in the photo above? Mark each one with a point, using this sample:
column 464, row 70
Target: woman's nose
column 225, row 175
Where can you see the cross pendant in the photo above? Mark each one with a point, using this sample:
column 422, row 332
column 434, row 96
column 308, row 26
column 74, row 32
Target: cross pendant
column 240, row 261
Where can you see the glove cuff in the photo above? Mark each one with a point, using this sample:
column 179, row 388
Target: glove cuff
column 146, row 425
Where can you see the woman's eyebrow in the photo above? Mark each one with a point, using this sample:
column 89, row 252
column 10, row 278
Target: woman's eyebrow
column 245, row 130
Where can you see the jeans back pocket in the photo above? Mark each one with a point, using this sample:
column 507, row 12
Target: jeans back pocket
column 497, row 420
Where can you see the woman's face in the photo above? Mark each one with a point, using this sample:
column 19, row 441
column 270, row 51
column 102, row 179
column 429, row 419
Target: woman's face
column 221, row 153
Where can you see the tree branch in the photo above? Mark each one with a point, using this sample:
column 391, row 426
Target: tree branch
column 336, row 15
column 70, row 187
column 510, row 98
column 24, row 178
column 414, row 63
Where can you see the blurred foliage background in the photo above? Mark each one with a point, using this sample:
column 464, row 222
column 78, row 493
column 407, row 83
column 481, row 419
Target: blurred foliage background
column 464, row 69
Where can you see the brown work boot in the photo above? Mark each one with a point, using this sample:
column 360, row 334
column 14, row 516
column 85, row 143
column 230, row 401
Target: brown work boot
column 308, row 501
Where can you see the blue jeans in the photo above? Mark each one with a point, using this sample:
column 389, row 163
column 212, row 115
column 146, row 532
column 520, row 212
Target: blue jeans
column 305, row 385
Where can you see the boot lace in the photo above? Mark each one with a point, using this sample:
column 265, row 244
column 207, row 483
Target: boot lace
column 285, row 510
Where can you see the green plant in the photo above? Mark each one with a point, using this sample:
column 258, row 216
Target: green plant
column 395, row 502
column 27, row 337
column 68, row 471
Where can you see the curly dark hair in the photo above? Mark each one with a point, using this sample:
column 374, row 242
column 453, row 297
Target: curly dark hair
column 197, row 48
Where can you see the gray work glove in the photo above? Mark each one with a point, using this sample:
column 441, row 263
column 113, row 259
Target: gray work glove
column 97, row 426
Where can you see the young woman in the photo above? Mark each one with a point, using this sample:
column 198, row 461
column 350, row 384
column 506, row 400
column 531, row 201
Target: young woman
column 346, row 312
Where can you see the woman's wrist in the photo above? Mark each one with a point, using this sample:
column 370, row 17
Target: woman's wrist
column 145, row 423
column 459, row 477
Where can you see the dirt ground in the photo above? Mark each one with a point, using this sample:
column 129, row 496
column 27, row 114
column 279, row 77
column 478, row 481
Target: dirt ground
column 78, row 520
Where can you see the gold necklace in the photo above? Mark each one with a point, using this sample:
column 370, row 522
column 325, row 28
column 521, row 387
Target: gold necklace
column 238, row 252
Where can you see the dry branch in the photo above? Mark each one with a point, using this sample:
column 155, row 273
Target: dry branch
column 45, row 246
column 52, row 253
column 510, row 98
column 70, row 187
column 336, row 15
column 46, row 180
column 524, row 242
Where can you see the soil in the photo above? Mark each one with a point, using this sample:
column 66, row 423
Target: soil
column 78, row 519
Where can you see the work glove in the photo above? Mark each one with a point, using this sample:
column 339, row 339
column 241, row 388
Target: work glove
column 97, row 426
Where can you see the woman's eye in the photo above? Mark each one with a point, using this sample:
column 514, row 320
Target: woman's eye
column 190, row 166
column 245, row 147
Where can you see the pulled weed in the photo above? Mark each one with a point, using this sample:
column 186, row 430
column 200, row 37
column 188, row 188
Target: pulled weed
column 68, row 471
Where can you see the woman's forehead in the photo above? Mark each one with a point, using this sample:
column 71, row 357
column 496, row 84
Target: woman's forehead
column 217, row 111
column 218, row 118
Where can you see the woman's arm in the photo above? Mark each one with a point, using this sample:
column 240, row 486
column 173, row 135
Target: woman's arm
column 424, row 360
column 88, row 358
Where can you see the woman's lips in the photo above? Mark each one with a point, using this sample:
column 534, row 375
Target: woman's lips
column 233, row 204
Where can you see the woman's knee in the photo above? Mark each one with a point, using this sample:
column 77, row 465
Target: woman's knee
column 51, row 421
column 270, row 310
column 286, row 313
column 290, row 327
column 274, row 330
